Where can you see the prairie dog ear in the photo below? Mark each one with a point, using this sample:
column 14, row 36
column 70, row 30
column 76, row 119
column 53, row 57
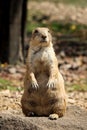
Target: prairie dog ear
column 50, row 34
column 50, row 37
column 49, row 31
column 35, row 31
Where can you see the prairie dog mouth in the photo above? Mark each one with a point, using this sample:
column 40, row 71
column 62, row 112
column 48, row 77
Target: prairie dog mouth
column 43, row 41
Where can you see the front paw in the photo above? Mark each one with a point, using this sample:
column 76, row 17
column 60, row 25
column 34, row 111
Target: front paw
column 34, row 85
column 51, row 84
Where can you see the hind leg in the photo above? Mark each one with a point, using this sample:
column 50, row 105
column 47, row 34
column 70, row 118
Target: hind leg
column 58, row 110
column 26, row 109
column 28, row 105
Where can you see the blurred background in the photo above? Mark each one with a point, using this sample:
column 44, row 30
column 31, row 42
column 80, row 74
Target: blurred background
column 67, row 20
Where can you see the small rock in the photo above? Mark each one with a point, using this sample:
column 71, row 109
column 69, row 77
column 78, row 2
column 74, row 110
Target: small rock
column 71, row 101
column 12, row 70
column 62, row 54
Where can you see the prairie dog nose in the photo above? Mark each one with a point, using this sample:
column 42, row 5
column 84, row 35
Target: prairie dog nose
column 43, row 37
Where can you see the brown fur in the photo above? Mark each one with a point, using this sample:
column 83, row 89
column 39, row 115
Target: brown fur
column 44, row 92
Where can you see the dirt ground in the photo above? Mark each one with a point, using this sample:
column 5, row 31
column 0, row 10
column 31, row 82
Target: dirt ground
column 74, row 119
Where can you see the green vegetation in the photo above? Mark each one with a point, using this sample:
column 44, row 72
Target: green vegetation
column 79, row 87
column 77, row 30
column 30, row 26
column 36, row 19
column 6, row 84
column 82, row 86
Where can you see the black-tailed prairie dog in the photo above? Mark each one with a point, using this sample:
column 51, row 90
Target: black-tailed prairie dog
column 44, row 92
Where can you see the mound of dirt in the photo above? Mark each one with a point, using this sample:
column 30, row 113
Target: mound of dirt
column 74, row 119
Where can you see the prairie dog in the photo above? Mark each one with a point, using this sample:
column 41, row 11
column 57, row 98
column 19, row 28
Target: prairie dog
column 44, row 92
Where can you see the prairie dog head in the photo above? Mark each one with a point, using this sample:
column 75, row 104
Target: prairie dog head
column 41, row 37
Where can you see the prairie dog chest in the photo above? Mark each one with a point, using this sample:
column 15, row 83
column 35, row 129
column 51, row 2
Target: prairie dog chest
column 41, row 57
